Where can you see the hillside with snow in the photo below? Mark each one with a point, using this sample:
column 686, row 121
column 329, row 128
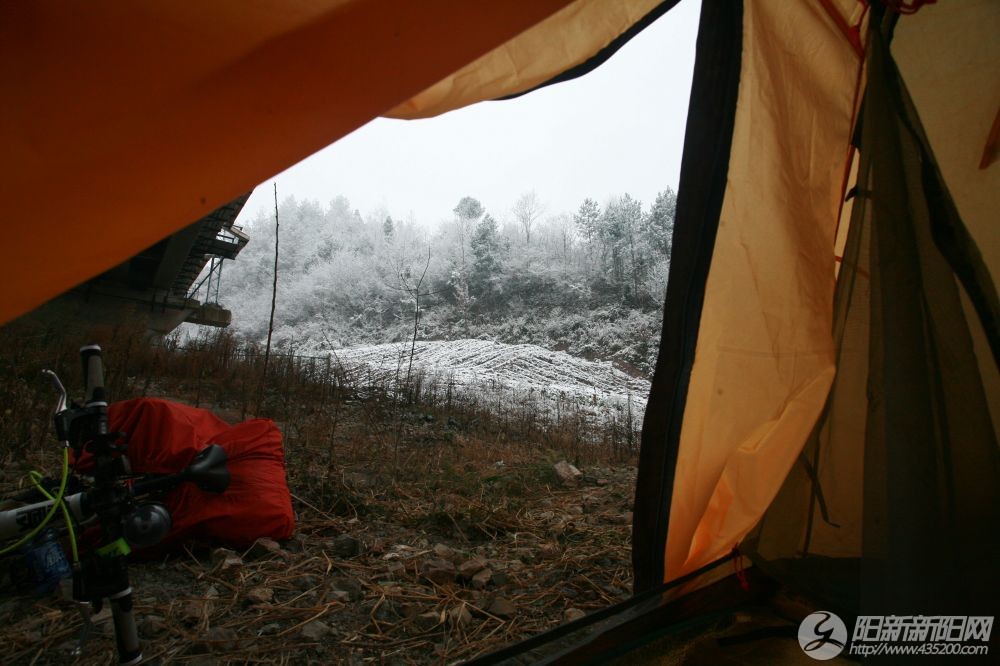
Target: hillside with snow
column 503, row 373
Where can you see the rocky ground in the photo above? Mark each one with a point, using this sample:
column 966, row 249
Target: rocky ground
column 387, row 572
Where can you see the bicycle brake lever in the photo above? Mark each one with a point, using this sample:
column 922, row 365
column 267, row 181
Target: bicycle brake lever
column 63, row 396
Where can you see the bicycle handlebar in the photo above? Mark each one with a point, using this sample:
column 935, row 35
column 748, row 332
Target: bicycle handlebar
column 93, row 375
column 207, row 471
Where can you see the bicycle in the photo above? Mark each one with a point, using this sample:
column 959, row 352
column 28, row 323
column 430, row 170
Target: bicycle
column 123, row 505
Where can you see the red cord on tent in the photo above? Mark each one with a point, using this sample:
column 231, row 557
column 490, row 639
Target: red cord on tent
column 907, row 6
column 852, row 33
column 740, row 569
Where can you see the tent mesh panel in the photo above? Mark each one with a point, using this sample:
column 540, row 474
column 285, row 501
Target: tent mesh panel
column 893, row 505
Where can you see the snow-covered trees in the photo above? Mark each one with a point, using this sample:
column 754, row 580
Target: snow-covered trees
column 628, row 249
column 488, row 250
column 487, row 275
column 660, row 222
column 526, row 211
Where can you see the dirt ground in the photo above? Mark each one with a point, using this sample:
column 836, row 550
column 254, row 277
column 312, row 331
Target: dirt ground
column 429, row 572
column 429, row 528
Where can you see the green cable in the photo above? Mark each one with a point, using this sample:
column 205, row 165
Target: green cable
column 35, row 479
column 57, row 502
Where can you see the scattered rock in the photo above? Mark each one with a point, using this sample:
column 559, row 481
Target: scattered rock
column 400, row 551
column 438, row 571
column 359, row 480
column 220, row 554
column 443, row 551
column 202, row 660
column 344, row 546
column 482, row 579
column 568, row 474
column 502, row 608
column 226, row 560
column 269, row 629
column 378, row 546
column 264, row 547
column 152, row 625
column 429, row 620
column 315, row 630
column 569, row 592
column 294, row 545
column 625, row 518
column 572, row 614
column 552, row 577
column 499, row 578
column 469, row 568
column 352, row 586
column 340, row 595
column 525, row 555
column 615, row 591
column 217, row 639
column 409, row 611
column 195, row 609
column 387, row 611
column 220, row 639
column 459, row 616
column 260, row 595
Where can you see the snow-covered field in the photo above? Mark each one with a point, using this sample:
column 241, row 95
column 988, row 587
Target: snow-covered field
column 504, row 373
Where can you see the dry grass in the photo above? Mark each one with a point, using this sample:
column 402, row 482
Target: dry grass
column 410, row 472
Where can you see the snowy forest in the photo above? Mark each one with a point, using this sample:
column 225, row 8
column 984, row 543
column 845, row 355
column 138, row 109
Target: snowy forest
column 589, row 282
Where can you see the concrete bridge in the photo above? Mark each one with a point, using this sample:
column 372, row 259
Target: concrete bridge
column 165, row 284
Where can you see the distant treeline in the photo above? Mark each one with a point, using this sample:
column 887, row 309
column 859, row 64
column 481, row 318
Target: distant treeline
column 591, row 282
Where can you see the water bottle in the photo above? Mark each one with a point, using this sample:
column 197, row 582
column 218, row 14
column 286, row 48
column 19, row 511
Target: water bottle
column 46, row 562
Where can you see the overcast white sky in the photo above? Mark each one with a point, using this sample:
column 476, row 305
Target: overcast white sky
column 618, row 129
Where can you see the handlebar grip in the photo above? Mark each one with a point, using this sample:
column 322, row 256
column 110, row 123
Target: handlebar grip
column 93, row 374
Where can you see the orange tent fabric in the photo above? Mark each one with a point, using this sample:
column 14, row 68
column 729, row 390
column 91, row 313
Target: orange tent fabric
column 765, row 357
column 123, row 122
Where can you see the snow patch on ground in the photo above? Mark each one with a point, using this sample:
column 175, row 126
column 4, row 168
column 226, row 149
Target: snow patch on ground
column 493, row 369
